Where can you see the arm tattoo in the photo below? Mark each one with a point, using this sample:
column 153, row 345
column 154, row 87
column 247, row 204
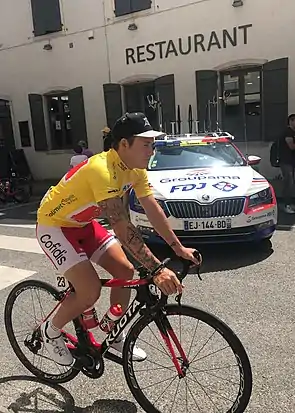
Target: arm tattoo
column 114, row 210
column 127, row 233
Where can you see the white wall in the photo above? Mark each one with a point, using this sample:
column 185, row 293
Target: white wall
column 27, row 68
column 30, row 69
column 16, row 26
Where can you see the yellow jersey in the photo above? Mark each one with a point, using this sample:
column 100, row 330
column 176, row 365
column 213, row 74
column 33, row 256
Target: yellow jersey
column 73, row 201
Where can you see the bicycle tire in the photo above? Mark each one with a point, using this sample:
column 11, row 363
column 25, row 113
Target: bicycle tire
column 53, row 379
column 235, row 344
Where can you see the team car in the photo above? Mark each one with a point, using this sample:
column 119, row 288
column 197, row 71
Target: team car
column 209, row 191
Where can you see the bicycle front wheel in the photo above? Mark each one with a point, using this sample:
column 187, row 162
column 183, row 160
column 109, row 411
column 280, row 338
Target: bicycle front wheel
column 217, row 375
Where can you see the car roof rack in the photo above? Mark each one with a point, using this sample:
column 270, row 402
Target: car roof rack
column 200, row 135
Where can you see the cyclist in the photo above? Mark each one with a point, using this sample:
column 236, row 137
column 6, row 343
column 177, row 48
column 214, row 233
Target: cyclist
column 72, row 239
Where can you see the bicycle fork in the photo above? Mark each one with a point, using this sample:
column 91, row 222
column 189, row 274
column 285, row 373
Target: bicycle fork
column 169, row 338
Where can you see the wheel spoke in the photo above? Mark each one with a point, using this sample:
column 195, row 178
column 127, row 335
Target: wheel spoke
column 205, row 389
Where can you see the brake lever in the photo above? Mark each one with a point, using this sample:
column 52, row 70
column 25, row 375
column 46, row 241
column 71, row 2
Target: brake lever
column 198, row 273
column 178, row 298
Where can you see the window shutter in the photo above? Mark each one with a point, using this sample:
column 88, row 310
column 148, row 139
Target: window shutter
column 46, row 16
column 38, row 122
column 164, row 86
column 113, row 103
column 77, row 111
column 206, row 83
column 122, row 7
column 138, row 5
column 275, row 98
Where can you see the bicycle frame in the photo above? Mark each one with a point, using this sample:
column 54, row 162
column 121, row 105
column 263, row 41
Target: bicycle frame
column 86, row 339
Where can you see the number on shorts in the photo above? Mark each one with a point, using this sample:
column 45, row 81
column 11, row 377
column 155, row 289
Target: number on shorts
column 61, row 282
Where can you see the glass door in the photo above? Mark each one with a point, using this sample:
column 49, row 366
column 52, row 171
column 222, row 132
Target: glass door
column 138, row 97
column 252, row 103
column 241, row 103
column 232, row 105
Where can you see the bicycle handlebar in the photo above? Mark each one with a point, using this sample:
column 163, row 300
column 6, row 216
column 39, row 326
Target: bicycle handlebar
column 186, row 264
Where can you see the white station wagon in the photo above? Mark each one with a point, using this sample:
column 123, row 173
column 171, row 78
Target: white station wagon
column 208, row 190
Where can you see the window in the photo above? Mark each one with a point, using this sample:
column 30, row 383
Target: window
column 66, row 119
column 46, row 16
column 59, row 121
column 123, row 7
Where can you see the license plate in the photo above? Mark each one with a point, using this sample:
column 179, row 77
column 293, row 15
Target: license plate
column 208, row 224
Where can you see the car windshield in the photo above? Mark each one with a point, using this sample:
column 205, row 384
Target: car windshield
column 206, row 155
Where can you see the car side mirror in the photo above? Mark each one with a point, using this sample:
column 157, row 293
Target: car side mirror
column 253, row 160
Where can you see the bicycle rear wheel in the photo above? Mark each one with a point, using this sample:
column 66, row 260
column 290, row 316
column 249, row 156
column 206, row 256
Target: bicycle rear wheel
column 202, row 386
column 47, row 297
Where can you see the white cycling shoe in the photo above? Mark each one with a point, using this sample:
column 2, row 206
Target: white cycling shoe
column 56, row 347
column 138, row 353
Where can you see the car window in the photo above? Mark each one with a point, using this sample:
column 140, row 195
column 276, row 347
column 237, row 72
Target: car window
column 193, row 156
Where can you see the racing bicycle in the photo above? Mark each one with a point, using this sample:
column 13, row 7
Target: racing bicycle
column 177, row 360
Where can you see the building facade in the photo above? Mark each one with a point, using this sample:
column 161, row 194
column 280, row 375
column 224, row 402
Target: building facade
column 70, row 67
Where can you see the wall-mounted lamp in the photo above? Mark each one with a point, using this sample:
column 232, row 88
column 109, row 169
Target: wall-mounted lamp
column 132, row 26
column 238, row 3
column 47, row 46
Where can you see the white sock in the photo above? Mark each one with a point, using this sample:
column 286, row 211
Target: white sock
column 52, row 331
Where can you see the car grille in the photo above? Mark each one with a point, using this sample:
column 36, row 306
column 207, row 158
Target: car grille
column 219, row 208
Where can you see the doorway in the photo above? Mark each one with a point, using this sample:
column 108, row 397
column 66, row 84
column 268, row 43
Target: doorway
column 242, row 103
column 138, row 98
column 60, row 120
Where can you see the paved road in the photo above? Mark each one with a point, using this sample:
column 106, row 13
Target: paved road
column 251, row 289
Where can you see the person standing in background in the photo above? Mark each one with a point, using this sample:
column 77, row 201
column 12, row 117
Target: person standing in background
column 78, row 157
column 85, row 150
column 107, row 138
column 287, row 164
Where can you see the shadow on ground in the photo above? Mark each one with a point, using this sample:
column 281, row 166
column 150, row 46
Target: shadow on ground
column 28, row 394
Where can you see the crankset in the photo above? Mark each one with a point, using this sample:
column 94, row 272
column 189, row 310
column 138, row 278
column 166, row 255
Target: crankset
column 90, row 365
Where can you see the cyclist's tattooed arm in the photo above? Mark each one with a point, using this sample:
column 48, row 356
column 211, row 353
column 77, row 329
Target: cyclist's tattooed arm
column 160, row 223
column 127, row 233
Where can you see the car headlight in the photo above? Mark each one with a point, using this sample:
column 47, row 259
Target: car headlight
column 137, row 205
column 260, row 198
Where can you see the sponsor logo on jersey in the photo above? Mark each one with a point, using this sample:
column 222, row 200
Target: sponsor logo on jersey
column 65, row 201
column 122, row 166
column 54, row 249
